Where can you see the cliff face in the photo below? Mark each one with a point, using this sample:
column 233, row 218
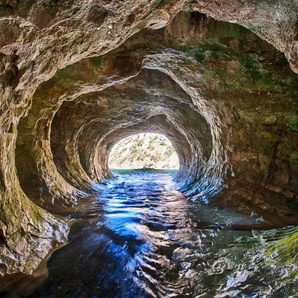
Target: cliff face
column 78, row 76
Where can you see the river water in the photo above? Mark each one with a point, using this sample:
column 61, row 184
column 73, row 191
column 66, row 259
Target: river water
column 140, row 237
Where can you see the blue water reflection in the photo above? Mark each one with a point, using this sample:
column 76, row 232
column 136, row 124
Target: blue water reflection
column 140, row 237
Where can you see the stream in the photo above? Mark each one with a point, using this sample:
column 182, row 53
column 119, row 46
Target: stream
column 140, row 237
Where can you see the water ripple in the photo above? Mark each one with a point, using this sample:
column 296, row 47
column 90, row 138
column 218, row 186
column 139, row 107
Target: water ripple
column 142, row 238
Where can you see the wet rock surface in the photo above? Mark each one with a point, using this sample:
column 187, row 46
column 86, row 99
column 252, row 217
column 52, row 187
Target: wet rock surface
column 77, row 77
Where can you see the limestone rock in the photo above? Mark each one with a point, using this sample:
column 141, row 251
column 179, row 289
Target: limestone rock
column 77, row 76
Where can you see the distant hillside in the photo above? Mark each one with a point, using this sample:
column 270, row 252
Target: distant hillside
column 144, row 150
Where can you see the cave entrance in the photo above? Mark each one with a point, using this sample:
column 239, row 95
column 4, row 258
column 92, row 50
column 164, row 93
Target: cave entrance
column 144, row 151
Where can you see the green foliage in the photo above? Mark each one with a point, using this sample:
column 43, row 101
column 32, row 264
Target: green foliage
column 286, row 250
column 292, row 120
column 142, row 170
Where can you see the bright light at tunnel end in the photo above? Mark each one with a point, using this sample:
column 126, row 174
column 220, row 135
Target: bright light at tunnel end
column 143, row 150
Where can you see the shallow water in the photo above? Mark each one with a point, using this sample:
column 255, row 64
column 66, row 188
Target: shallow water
column 142, row 238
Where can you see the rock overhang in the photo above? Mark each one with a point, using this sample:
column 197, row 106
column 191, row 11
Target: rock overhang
column 201, row 75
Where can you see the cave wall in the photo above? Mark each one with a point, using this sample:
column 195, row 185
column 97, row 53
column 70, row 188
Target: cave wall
column 77, row 76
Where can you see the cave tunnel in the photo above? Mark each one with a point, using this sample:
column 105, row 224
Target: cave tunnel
column 218, row 81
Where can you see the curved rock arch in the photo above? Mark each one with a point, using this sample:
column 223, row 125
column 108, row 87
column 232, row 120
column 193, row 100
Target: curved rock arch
column 240, row 85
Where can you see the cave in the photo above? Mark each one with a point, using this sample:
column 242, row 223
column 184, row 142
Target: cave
column 216, row 78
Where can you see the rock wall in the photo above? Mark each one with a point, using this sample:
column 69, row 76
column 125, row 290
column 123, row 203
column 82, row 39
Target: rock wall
column 77, row 76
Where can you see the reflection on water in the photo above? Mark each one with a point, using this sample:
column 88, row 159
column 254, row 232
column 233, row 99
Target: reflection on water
column 141, row 238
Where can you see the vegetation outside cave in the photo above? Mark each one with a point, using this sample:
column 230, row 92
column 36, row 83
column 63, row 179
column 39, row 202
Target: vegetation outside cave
column 144, row 151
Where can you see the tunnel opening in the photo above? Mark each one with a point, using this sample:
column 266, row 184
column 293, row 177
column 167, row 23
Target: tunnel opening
column 144, row 151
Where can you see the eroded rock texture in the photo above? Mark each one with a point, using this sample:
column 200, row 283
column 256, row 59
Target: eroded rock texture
column 77, row 76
